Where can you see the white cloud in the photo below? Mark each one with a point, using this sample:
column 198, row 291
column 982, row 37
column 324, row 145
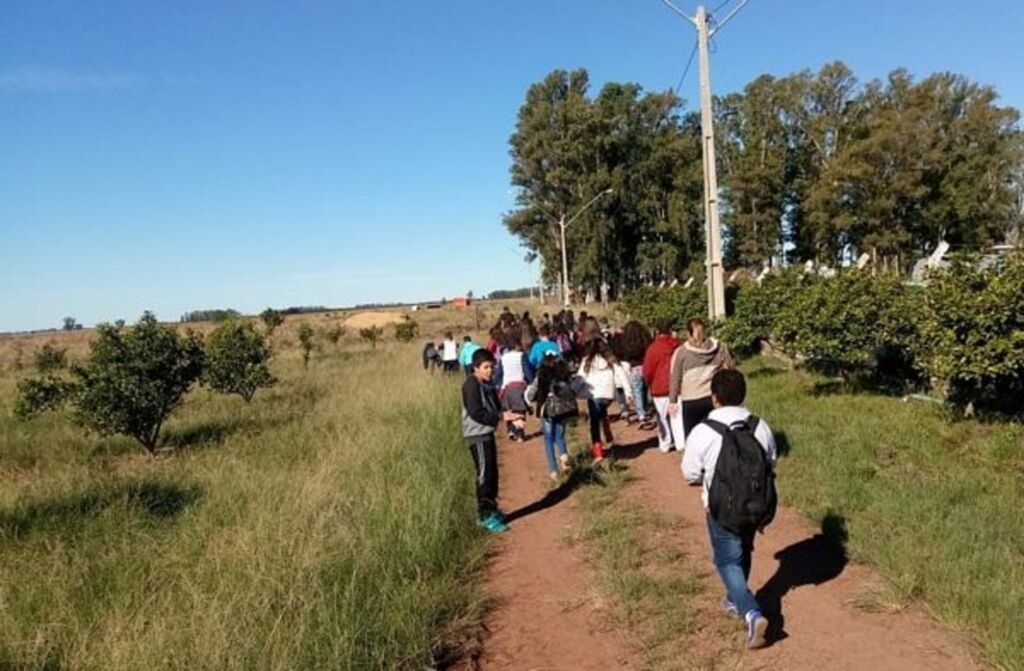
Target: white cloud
column 35, row 79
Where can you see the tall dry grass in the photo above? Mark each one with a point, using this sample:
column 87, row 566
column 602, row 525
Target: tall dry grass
column 329, row 524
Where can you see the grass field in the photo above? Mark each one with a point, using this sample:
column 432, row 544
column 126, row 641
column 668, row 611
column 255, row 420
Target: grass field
column 329, row 524
column 937, row 505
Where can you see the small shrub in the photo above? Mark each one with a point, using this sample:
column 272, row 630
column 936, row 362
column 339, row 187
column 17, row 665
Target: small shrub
column 271, row 320
column 236, row 360
column 70, row 324
column 306, row 342
column 36, row 396
column 371, row 334
column 406, row 331
column 757, row 307
column 334, row 334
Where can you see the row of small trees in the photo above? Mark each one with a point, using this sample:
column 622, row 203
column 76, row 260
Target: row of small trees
column 135, row 377
column 961, row 334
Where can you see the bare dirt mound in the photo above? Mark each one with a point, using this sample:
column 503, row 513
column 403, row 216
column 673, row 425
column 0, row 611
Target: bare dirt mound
column 547, row 615
column 365, row 320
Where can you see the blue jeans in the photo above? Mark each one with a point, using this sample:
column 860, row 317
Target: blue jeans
column 554, row 437
column 732, row 559
column 636, row 376
column 597, row 408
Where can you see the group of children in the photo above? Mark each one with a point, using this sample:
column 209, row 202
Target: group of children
column 697, row 398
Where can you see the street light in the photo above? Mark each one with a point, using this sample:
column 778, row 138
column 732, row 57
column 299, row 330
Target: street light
column 562, row 225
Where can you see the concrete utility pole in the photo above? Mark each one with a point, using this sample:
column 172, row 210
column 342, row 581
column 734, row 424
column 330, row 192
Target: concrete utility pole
column 712, row 228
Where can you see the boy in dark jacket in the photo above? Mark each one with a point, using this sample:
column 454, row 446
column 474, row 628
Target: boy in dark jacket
column 481, row 414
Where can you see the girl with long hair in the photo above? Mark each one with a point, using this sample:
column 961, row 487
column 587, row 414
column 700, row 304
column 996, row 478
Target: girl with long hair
column 602, row 372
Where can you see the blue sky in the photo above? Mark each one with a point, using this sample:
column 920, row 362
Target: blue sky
column 201, row 153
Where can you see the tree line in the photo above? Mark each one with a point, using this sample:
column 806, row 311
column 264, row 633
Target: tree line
column 814, row 165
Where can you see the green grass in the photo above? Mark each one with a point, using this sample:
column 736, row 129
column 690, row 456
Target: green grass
column 329, row 524
column 937, row 505
column 641, row 567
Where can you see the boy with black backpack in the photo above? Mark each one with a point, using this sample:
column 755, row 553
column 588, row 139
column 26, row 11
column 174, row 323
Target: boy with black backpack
column 733, row 452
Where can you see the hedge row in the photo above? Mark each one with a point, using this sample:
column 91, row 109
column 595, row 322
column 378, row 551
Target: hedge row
column 961, row 335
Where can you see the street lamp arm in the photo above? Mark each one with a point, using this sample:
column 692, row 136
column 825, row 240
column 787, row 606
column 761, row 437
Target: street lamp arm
column 721, row 24
column 583, row 209
column 679, row 12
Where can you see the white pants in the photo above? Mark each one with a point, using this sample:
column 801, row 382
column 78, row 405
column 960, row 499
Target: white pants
column 670, row 429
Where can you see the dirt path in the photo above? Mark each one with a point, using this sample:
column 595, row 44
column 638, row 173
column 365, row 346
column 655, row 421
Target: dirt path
column 544, row 614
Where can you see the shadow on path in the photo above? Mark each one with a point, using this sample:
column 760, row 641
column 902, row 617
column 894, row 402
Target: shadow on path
column 635, row 450
column 812, row 561
column 577, row 478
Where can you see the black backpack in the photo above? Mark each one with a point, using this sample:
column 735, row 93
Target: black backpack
column 742, row 496
column 561, row 401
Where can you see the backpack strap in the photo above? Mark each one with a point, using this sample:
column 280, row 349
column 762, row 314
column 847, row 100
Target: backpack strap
column 717, row 427
column 752, row 421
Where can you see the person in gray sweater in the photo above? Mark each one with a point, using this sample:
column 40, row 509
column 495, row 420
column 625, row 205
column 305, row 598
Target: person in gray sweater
column 481, row 414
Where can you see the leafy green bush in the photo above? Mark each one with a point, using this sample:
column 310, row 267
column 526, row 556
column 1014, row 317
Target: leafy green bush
column 844, row 321
column 306, row 342
column 236, row 360
column 131, row 383
column 972, row 333
column 371, row 334
column 757, row 308
column 650, row 304
column 406, row 330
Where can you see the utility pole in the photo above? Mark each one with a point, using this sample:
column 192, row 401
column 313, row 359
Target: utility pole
column 712, row 227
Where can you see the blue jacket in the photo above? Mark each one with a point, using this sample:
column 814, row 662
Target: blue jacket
column 539, row 349
column 466, row 353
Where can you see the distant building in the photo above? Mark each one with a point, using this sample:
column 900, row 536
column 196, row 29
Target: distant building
column 462, row 302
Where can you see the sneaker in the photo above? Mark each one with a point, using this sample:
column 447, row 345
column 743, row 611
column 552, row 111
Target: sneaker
column 494, row 523
column 563, row 462
column 553, row 475
column 665, row 449
column 730, row 609
column 597, row 452
column 757, row 626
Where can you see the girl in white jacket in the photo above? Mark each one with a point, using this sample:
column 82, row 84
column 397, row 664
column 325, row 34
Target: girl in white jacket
column 602, row 373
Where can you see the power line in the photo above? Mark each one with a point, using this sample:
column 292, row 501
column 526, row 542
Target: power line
column 720, row 5
column 686, row 71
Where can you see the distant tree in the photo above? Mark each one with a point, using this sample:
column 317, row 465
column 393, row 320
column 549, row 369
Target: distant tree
column 132, row 382
column 236, row 360
column 210, row 315
column 406, row 330
column 371, row 334
column 49, row 359
column 306, row 336
column 70, row 324
column 271, row 320
column 334, row 334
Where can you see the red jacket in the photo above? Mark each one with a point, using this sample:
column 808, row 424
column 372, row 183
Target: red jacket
column 658, row 363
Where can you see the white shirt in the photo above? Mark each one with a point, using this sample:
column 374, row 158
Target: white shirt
column 512, row 368
column 603, row 378
column 704, row 444
column 450, row 350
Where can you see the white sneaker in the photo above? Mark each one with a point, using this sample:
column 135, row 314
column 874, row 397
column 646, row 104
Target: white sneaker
column 665, row 449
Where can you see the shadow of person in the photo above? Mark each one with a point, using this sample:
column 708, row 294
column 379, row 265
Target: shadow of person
column 634, row 450
column 812, row 561
column 577, row 478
